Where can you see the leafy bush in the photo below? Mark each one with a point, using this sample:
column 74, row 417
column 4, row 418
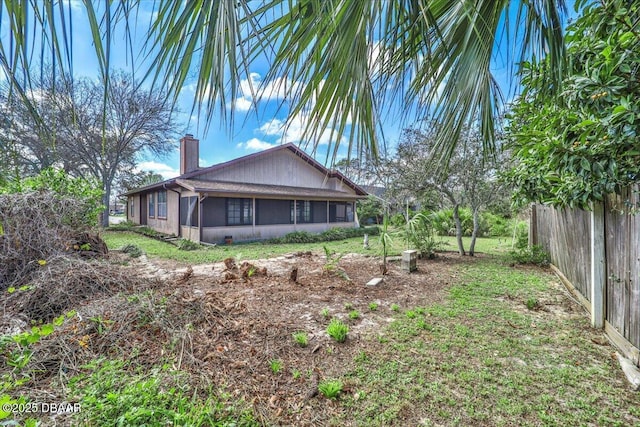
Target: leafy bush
column 188, row 245
column 86, row 193
column 529, row 255
column 421, row 235
column 134, row 251
column 337, row 233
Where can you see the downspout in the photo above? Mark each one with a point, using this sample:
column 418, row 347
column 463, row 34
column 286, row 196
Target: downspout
column 164, row 186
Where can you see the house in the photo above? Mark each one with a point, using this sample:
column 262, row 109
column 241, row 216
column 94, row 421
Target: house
column 259, row 196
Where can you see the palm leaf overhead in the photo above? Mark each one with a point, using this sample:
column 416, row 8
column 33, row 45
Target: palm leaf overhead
column 343, row 62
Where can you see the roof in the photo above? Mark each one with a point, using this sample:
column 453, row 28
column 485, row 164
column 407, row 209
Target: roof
column 264, row 190
column 192, row 176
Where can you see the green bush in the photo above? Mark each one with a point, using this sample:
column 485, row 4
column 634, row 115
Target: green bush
column 188, row 245
column 421, row 235
column 337, row 233
column 529, row 255
column 133, row 250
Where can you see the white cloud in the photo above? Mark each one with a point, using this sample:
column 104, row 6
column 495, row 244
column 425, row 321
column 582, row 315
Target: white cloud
column 293, row 131
column 241, row 104
column 161, row 168
column 255, row 144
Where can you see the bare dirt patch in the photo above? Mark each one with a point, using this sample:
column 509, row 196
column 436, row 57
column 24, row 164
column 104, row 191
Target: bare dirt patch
column 227, row 322
column 247, row 313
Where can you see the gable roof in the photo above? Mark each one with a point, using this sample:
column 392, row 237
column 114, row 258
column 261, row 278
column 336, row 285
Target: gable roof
column 192, row 176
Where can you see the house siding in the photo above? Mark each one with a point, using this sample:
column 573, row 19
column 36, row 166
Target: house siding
column 170, row 224
column 273, row 168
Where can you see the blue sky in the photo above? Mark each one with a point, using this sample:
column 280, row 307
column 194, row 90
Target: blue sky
column 252, row 130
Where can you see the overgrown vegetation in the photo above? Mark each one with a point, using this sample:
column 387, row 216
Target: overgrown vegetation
column 577, row 145
column 42, row 218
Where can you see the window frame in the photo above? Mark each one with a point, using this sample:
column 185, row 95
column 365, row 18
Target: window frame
column 162, row 205
column 151, row 209
column 244, row 211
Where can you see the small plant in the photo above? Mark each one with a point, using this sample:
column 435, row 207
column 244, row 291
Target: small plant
column 337, row 330
column 101, row 324
column 296, row 374
column 325, row 313
column 410, row 314
column 133, row 250
column 373, row 306
column 532, row 303
column 331, row 263
column 301, row 339
column 251, row 271
column 529, row 255
column 348, row 306
column 330, row 388
column 354, row 314
column 395, row 307
column 275, row 365
column 188, row 245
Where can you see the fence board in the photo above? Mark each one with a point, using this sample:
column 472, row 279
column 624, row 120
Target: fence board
column 565, row 234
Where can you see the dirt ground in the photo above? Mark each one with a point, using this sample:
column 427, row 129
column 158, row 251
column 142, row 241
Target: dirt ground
column 226, row 322
column 251, row 320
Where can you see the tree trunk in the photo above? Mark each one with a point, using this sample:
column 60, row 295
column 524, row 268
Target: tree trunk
column 474, row 234
column 456, row 219
column 105, row 202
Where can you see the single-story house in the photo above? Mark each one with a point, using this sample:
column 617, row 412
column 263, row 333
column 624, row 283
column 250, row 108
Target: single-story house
column 259, row 196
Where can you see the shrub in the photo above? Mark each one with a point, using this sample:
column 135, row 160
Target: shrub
column 337, row 330
column 188, row 245
column 337, row 233
column 133, row 250
column 529, row 255
column 421, row 235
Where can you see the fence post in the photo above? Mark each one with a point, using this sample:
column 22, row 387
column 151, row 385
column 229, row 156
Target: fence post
column 598, row 265
column 533, row 226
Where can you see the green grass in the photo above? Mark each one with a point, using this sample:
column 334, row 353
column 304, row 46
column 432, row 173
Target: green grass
column 113, row 392
column 483, row 358
column 257, row 250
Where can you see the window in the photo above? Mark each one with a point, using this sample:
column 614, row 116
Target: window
column 303, row 211
column 239, row 211
column 274, row 211
column 340, row 212
column 189, row 211
column 162, row 204
column 131, row 208
column 152, row 205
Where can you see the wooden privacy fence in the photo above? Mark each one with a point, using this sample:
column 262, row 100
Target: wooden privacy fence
column 598, row 254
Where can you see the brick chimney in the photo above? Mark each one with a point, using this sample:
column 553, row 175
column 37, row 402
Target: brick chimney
column 189, row 154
